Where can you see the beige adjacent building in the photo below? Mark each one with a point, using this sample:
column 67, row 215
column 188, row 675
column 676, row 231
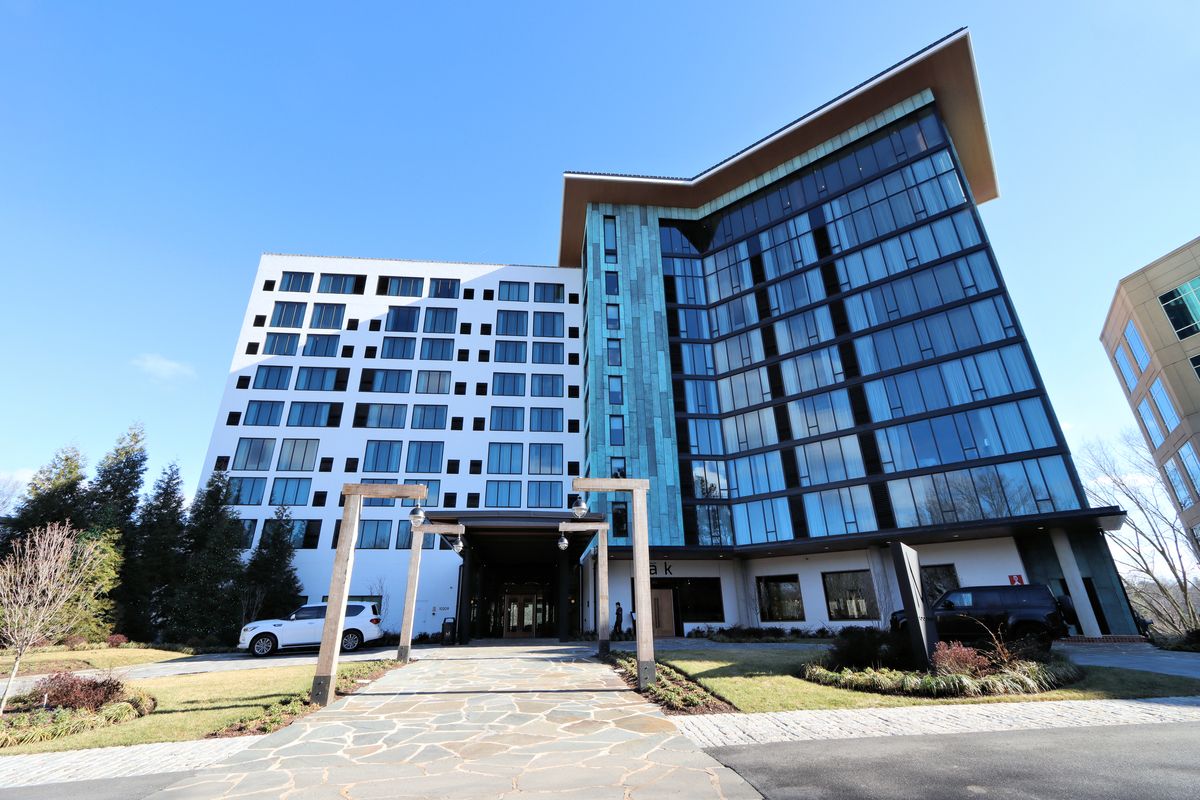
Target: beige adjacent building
column 1152, row 337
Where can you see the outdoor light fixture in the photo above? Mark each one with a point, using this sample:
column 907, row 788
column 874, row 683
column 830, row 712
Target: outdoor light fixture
column 579, row 508
column 417, row 515
column 562, row 540
column 457, row 544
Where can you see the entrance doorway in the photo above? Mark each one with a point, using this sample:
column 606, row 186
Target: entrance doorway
column 662, row 607
column 521, row 615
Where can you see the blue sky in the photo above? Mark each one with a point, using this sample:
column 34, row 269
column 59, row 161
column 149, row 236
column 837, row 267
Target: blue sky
column 149, row 152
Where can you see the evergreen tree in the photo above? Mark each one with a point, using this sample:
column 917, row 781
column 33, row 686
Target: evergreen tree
column 93, row 612
column 206, row 605
column 113, row 496
column 56, row 494
column 272, row 588
column 154, row 558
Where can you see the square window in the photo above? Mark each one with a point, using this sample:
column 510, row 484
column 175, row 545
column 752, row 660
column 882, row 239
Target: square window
column 456, row 423
column 260, row 320
column 452, row 465
column 450, row 499
column 573, row 391
column 351, row 465
column 481, row 389
column 484, row 356
column 251, row 348
column 489, row 294
column 268, row 286
column 460, row 387
column 477, row 424
column 464, row 355
column 572, row 426
column 573, row 468
column 370, row 351
column 243, row 382
column 473, row 500
column 485, row 328
column 573, row 359
column 573, row 332
column 326, row 464
column 352, row 325
column 468, row 294
column 222, row 463
column 319, row 498
column 464, row 328
column 475, row 467
column 375, row 325
column 573, row 298
column 347, row 351
column 234, row 418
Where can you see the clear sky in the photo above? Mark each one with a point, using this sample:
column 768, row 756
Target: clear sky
column 149, row 152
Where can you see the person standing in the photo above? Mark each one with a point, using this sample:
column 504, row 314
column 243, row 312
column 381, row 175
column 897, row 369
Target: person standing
column 618, row 619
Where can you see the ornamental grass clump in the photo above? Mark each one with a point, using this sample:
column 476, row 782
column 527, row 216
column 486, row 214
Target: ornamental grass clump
column 63, row 705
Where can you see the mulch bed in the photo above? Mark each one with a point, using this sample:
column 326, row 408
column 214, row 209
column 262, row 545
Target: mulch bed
column 673, row 691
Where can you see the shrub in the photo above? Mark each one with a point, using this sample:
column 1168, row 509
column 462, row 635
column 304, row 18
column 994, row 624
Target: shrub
column 859, row 647
column 64, row 690
column 76, row 642
column 1021, row 677
column 955, row 658
column 117, row 639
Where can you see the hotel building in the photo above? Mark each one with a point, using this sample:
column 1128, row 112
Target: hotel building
column 808, row 350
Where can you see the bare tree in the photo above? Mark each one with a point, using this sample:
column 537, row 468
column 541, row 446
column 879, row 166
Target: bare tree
column 1156, row 554
column 378, row 588
column 43, row 580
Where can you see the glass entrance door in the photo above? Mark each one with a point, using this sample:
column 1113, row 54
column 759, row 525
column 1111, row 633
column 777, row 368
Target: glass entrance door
column 520, row 615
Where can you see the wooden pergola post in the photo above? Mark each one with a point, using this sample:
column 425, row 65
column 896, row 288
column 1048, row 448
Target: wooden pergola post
column 324, row 684
column 601, row 529
column 638, row 489
column 414, row 569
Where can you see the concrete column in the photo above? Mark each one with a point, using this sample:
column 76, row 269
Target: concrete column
column 410, row 594
column 602, row 623
column 563, row 612
column 1070, row 568
column 325, row 680
column 641, row 589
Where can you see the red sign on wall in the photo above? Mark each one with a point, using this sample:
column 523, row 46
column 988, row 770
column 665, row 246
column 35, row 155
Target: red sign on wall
column 1016, row 580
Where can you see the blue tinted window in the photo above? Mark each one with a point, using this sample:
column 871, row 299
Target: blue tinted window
column 548, row 353
column 502, row 494
column 549, row 293
column 1175, row 481
column 546, row 385
column 337, row 284
column 1182, row 306
column 404, row 347
column 1187, row 454
column 389, row 380
column 424, row 457
column 402, row 319
column 298, row 455
column 444, row 288
column 327, row 315
column 402, row 287
column 431, row 381
column 508, row 418
column 1162, row 401
column 616, row 430
column 1134, row 340
column 546, row 420
column 267, row 377
column 614, row 353
column 253, row 454
column 545, row 459
column 612, row 284
column 321, row 344
column 426, row 417
column 1152, row 428
column 545, row 494
column 288, row 315
column 548, row 323
column 316, row 379
column 508, row 351
column 247, row 491
column 383, row 415
column 290, row 491
column 281, row 344
column 379, row 502
column 504, row 458
column 440, row 320
column 309, row 415
column 512, row 291
column 263, row 412
column 1126, row 367
column 296, row 282
column 374, row 534
column 512, row 323
column 508, row 384
column 382, row 456
column 437, row 349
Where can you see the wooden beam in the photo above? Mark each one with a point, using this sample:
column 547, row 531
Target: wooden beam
column 610, row 484
column 446, row 528
column 403, row 491
column 582, row 527
column 325, row 680
column 409, row 611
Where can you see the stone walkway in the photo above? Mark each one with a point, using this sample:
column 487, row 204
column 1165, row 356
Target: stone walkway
column 525, row 721
column 116, row 762
column 721, row 730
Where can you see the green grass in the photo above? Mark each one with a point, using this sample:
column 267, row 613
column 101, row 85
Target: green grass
column 99, row 658
column 754, row 679
column 193, row 706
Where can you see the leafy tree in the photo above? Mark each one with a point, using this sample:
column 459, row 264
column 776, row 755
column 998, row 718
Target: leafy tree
column 272, row 588
column 154, row 558
column 57, row 493
column 206, row 605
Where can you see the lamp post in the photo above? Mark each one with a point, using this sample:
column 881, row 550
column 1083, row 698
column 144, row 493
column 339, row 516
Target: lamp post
column 638, row 488
column 324, row 684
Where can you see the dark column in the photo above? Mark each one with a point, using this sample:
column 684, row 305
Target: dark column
column 564, row 596
column 465, row 590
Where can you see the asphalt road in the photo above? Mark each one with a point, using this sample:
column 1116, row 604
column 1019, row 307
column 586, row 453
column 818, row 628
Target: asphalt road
column 130, row 788
column 1118, row 762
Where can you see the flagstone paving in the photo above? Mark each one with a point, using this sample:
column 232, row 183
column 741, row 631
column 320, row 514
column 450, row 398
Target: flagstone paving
column 528, row 721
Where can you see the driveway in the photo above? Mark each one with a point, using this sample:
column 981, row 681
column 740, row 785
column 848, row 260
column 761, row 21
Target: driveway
column 494, row 721
column 1133, row 656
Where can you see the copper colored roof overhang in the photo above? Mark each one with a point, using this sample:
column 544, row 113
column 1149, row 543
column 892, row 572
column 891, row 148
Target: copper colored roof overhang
column 947, row 68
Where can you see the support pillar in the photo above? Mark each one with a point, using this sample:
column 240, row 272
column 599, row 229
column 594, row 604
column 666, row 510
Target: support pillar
column 641, row 589
column 410, row 594
column 1088, row 625
column 563, row 612
column 464, row 596
column 602, row 623
column 324, row 686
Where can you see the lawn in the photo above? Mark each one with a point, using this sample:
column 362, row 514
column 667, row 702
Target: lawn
column 754, row 679
column 100, row 658
column 193, row 706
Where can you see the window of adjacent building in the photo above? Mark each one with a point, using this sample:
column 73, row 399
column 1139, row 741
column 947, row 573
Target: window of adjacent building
column 548, row 323
column 281, row 344
column 612, row 316
column 612, row 283
column 502, row 494
column 504, row 458
column 288, row 315
column 382, row 456
column 1175, row 481
column 327, row 315
column 619, row 522
column 440, row 320
column 779, row 598
column 444, row 288
column 402, row 319
column 548, row 352
column 549, row 293
column 616, row 467
column 428, row 417
column 610, row 240
column 1187, row 454
column 509, row 351
column 513, row 292
column 1162, row 401
column 1134, row 340
column 425, row 456
column 545, row 459
column 616, row 430
column 380, row 415
column 936, row 580
column 296, row 282
column 337, row 284
column 399, row 347
column 268, row 377
column 616, row 390
column 298, row 455
column 512, row 323
column 508, row 384
column 386, row 380
column 1182, row 306
column 374, row 534
column 433, row 381
column 263, row 412
column 290, row 491
column 1152, row 428
column 253, row 454
column 322, row 344
column 614, row 352
column 850, row 595
column 247, row 491
column 546, row 385
column 317, row 379
column 508, row 418
column 437, row 349
column 310, row 415
column 401, row 286
column 544, row 494
column 546, row 420
column 1126, row 367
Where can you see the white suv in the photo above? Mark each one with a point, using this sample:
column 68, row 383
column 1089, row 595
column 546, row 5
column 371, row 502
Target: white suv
column 303, row 628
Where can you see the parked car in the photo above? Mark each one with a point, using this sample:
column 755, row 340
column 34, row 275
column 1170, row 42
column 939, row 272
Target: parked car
column 973, row 613
column 303, row 628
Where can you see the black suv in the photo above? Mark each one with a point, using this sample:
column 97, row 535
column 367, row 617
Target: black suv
column 972, row 613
